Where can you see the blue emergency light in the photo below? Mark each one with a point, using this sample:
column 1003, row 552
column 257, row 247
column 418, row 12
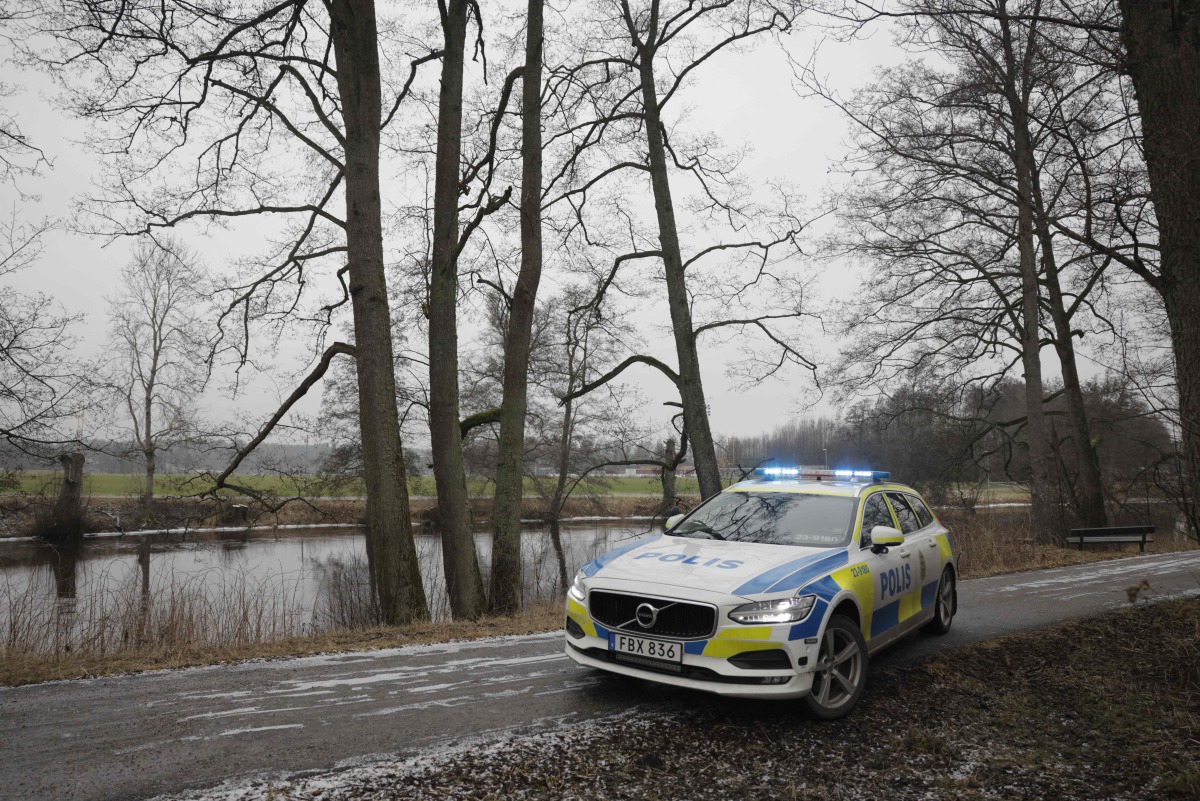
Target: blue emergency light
column 770, row 473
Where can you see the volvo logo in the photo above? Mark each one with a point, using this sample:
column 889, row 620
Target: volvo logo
column 646, row 615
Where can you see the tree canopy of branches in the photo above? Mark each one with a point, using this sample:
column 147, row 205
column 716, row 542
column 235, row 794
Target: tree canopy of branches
column 157, row 345
column 198, row 108
column 637, row 57
column 968, row 175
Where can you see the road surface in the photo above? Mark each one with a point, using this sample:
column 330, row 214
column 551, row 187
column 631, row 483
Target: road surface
column 144, row 735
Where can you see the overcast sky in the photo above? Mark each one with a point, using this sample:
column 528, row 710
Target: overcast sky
column 742, row 97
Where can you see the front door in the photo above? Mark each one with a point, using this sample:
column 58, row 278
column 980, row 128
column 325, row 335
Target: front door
column 891, row 573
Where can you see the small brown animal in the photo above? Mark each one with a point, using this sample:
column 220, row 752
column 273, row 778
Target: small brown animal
column 1134, row 590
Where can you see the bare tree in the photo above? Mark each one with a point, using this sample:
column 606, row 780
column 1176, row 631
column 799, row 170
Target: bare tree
column 463, row 579
column 19, row 156
column 962, row 182
column 158, row 348
column 1162, row 48
column 42, row 387
column 506, row 509
column 195, row 104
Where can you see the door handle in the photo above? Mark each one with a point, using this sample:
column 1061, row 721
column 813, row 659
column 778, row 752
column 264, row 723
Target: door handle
column 905, row 553
column 932, row 544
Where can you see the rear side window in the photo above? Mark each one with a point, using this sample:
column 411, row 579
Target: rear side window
column 904, row 513
column 918, row 506
column 875, row 513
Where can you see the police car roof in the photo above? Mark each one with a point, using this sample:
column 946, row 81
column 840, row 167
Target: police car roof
column 849, row 488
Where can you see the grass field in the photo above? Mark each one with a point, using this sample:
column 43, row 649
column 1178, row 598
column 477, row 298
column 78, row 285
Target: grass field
column 122, row 484
column 102, row 484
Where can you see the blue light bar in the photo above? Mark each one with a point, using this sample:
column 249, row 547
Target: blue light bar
column 820, row 473
column 778, row 472
column 877, row 475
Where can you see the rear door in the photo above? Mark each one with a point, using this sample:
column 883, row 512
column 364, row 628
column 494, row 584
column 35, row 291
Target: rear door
column 928, row 552
column 917, row 536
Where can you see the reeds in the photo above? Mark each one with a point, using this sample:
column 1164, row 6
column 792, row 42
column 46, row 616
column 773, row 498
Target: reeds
column 212, row 608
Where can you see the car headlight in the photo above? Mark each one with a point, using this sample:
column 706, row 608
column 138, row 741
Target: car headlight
column 578, row 591
column 786, row 610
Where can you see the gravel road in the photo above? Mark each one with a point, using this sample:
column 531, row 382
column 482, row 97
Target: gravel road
column 157, row 733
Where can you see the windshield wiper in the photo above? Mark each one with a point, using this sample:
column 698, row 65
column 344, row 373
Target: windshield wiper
column 703, row 530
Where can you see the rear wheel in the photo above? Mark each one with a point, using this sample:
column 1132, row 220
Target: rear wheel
column 944, row 605
column 841, row 671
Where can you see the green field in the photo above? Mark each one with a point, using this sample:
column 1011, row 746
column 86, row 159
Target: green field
column 119, row 484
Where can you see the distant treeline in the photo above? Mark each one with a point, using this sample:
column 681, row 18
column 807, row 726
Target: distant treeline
column 945, row 443
column 106, row 456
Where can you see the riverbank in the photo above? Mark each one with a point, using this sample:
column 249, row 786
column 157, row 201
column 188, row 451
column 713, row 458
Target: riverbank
column 124, row 514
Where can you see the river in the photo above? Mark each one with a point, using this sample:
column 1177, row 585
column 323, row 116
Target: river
column 237, row 586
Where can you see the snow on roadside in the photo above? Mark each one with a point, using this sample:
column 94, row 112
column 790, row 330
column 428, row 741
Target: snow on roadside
column 384, row 777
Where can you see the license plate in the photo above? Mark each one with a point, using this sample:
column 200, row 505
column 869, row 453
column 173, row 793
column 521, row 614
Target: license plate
column 662, row 650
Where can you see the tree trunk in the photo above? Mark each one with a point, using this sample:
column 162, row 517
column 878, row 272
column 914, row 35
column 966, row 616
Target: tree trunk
column 66, row 519
column 391, row 554
column 1162, row 43
column 1041, row 460
column 464, row 584
column 667, row 475
column 559, row 499
column 1088, row 499
column 151, row 458
column 506, row 507
column 149, row 447
column 691, row 391
column 559, row 555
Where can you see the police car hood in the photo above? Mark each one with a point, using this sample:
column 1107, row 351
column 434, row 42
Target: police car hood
column 735, row 568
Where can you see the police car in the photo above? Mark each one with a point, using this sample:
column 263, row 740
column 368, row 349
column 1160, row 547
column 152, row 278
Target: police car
column 778, row 587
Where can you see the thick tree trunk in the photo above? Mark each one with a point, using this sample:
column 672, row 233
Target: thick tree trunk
column 1041, row 459
column 1162, row 43
column 66, row 518
column 391, row 554
column 691, row 390
column 506, row 508
column 464, row 584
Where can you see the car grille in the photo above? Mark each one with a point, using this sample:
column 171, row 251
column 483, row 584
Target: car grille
column 675, row 618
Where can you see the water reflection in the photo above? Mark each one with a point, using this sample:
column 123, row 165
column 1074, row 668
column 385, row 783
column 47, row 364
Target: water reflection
column 315, row 578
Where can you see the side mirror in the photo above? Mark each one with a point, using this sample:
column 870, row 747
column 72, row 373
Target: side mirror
column 884, row 537
column 672, row 521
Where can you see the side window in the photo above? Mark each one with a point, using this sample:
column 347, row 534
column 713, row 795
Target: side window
column 908, row 518
column 918, row 506
column 875, row 513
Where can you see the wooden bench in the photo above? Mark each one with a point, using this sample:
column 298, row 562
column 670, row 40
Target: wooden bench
column 1139, row 534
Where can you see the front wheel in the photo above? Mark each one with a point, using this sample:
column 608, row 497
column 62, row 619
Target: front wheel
column 841, row 672
column 945, row 605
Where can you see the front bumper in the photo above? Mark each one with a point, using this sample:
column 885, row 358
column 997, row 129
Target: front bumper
column 711, row 664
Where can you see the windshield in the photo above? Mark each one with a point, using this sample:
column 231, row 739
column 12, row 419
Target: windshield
column 777, row 518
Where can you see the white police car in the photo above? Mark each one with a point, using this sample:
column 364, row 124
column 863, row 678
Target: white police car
column 777, row 587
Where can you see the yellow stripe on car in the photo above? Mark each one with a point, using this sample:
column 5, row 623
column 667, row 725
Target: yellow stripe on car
column 737, row 641
column 580, row 616
column 858, row 580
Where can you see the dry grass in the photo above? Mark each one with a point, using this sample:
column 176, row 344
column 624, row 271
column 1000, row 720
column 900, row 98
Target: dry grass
column 27, row 668
column 992, row 542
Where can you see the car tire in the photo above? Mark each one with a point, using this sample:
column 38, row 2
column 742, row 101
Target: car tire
column 945, row 604
column 841, row 670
